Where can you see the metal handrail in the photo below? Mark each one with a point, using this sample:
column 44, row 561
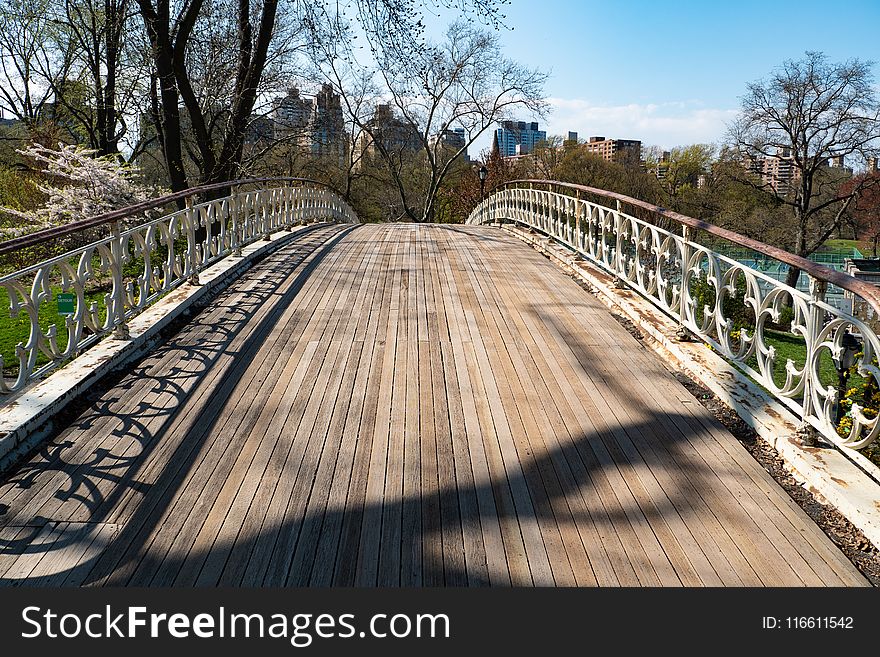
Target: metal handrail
column 49, row 234
column 867, row 291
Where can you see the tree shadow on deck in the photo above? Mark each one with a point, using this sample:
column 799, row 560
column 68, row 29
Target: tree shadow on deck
column 633, row 501
column 574, row 486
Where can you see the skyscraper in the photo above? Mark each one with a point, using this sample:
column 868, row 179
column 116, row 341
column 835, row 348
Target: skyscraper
column 316, row 124
column 517, row 137
column 452, row 139
column 328, row 126
column 386, row 134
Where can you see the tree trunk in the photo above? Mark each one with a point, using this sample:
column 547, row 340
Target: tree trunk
column 800, row 248
column 791, row 278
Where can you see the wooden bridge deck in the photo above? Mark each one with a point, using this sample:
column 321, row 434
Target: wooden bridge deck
column 403, row 405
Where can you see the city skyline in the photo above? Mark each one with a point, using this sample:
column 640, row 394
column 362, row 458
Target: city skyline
column 669, row 74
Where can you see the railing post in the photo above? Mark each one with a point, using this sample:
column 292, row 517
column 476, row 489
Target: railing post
column 235, row 240
column 618, row 251
column 192, row 250
column 806, row 433
column 288, row 207
column 681, row 333
column 120, row 328
column 264, row 211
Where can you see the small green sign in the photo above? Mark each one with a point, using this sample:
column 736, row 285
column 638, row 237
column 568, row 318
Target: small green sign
column 66, row 303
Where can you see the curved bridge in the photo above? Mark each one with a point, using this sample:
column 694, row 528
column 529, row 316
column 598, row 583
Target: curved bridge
column 410, row 405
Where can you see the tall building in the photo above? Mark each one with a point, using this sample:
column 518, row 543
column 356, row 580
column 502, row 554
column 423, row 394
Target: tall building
column 452, row 139
column 386, row 132
column 292, row 114
column 661, row 168
column 315, row 124
column 328, row 126
column 517, row 138
column 615, row 150
column 777, row 172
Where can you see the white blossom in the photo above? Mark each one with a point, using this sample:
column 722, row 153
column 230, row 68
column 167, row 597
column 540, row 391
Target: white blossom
column 77, row 186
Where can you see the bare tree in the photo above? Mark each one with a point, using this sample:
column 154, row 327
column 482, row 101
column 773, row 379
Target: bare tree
column 76, row 64
column 30, row 45
column 463, row 84
column 172, row 29
column 108, row 67
column 814, row 110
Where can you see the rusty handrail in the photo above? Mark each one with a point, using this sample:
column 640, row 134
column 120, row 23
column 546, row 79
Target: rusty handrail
column 868, row 291
column 49, row 234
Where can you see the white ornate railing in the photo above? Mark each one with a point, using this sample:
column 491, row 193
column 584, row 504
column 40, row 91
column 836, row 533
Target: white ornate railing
column 114, row 278
column 729, row 305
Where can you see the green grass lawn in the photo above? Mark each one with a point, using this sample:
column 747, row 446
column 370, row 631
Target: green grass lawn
column 15, row 330
column 842, row 246
column 791, row 346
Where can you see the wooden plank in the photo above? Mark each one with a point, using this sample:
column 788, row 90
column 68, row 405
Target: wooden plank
column 176, row 452
column 668, row 526
column 72, row 547
column 198, row 496
column 439, row 461
column 105, row 428
column 34, row 552
column 554, row 517
column 797, row 529
column 711, row 534
column 640, row 544
column 292, row 494
column 275, row 490
column 768, row 567
column 391, row 539
column 345, row 571
column 521, row 537
column 367, row 571
column 432, row 532
column 14, row 541
column 326, row 472
column 327, row 542
column 605, row 552
column 412, row 530
column 503, row 563
column 268, row 441
column 590, row 396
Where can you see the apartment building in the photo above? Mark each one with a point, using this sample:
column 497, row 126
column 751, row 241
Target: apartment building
column 615, row 150
column 517, row 138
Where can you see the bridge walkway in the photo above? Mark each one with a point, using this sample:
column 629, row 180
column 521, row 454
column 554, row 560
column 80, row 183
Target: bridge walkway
column 403, row 405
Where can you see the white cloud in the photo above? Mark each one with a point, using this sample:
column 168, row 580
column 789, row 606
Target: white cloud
column 665, row 124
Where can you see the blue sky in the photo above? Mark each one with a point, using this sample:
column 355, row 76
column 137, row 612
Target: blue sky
column 671, row 72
